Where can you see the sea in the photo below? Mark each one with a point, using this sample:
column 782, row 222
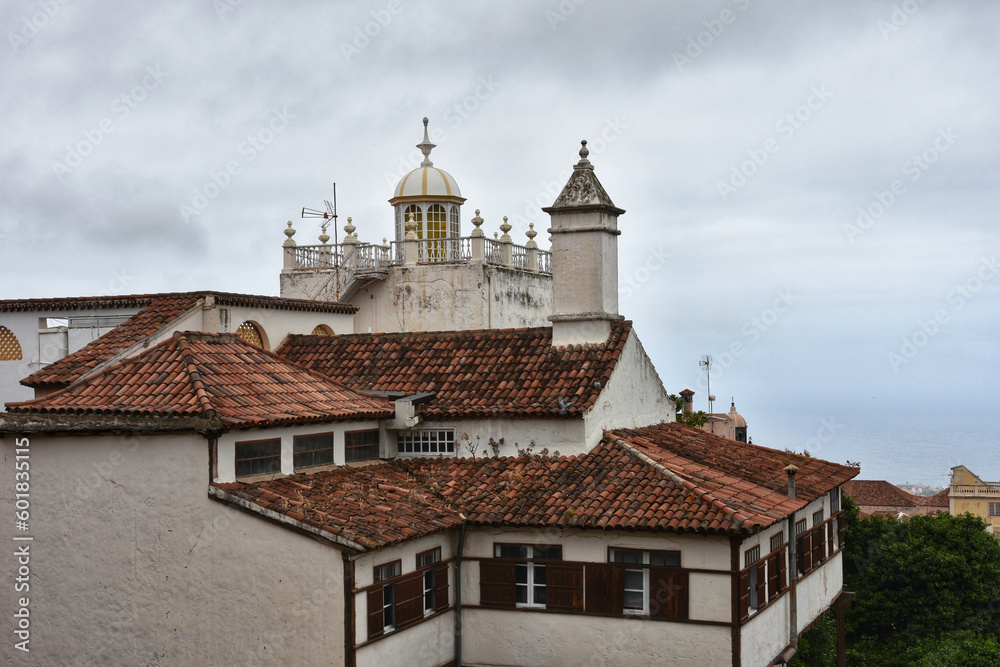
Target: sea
column 900, row 446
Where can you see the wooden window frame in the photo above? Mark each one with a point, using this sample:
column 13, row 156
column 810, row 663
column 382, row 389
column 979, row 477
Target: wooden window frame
column 237, row 460
column 644, row 565
column 349, row 447
column 295, row 453
column 534, row 568
column 427, row 566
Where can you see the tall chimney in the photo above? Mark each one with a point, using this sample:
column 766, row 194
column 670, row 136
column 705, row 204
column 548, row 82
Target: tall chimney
column 584, row 259
column 688, row 397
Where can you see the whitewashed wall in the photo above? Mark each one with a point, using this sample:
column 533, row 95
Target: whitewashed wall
column 633, row 397
column 132, row 564
column 450, row 297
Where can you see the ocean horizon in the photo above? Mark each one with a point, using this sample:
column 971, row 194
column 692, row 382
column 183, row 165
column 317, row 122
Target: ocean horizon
column 900, row 447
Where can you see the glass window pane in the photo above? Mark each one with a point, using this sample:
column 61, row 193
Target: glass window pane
column 633, row 600
column 633, row 579
column 521, row 574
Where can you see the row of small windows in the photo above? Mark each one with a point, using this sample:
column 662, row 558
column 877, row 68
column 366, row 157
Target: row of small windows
column 260, row 457
column 427, row 441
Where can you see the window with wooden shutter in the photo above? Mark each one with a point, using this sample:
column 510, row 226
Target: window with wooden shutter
column 744, row 594
column 376, row 626
column 773, row 581
column 841, row 532
column 564, row 587
column 761, row 584
column 496, row 584
column 440, row 587
column 409, row 599
column 668, row 593
column 605, row 588
column 819, row 545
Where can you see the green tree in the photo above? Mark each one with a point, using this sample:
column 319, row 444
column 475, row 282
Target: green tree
column 928, row 594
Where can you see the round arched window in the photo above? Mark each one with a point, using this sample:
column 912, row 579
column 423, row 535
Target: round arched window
column 251, row 333
column 10, row 348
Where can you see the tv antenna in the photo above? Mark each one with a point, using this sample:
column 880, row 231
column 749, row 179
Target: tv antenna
column 706, row 361
column 328, row 216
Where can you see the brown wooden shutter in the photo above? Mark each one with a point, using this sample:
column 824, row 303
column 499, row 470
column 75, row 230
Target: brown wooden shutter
column 605, row 588
column 441, row 587
column 782, row 570
column 744, row 594
column 409, row 599
column 773, row 586
column 805, row 548
column 564, row 587
column 841, row 531
column 496, row 584
column 819, row 544
column 375, row 624
column 761, row 584
column 668, row 593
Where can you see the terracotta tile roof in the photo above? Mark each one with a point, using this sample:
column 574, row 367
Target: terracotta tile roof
column 158, row 311
column 498, row 372
column 880, row 493
column 211, row 375
column 373, row 506
column 610, row 488
column 939, row 499
column 644, row 484
column 710, row 461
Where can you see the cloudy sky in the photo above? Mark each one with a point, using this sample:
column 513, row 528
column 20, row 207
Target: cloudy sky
column 811, row 188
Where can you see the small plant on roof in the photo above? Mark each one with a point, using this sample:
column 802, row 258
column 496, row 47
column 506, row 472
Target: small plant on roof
column 471, row 447
column 495, row 445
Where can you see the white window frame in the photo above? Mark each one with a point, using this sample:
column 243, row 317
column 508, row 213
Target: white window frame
column 644, row 561
column 413, row 442
column 530, row 585
column 750, row 560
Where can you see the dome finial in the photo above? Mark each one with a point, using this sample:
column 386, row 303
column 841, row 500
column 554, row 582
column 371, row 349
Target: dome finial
column 584, row 163
column 426, row 147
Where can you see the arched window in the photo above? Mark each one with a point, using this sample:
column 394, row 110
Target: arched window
column 418, row 218
column 454, row 225
column 436, row 229
column 322, row 330
column 252, row 333
column 10, row 349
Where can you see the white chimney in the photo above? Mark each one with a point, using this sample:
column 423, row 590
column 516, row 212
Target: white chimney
column 584, row 259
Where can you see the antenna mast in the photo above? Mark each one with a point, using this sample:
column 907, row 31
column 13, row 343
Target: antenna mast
column 706, row 361
column 328, row 216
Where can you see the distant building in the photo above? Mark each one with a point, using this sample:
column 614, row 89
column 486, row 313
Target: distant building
column 729, row 425
column 968, row 493
column 877, row 496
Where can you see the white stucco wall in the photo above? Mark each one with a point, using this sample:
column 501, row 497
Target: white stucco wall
column 442, row 297
column 633, row 397
column 553, row 640
column 133, row 564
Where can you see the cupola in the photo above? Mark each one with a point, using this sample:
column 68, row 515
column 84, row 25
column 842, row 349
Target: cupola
column 431, row 196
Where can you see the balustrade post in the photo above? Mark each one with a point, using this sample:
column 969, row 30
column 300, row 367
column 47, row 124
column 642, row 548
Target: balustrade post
column 532, row 248
column 507, row 241
column 411, row 247
column 289, row 249
column 478, row 241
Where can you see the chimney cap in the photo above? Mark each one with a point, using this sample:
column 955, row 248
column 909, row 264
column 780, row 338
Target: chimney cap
column 791, row 468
